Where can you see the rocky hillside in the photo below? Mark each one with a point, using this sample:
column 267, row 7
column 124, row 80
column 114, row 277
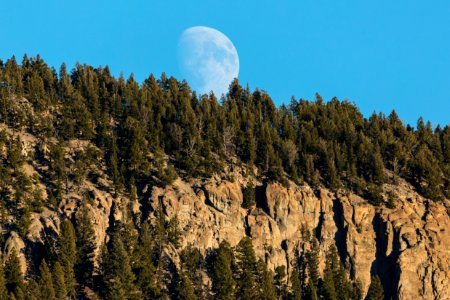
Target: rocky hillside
column 114, row 189
column 406, row 246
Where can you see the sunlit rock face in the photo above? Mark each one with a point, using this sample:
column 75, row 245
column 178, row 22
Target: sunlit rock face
column 407, row 247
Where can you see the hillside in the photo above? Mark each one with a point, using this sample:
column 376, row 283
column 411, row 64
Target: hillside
column 115, row 190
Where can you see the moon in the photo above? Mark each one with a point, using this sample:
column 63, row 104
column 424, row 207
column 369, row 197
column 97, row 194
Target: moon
column 208, row 59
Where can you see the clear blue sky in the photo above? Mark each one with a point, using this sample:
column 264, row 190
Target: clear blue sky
column 382, row 55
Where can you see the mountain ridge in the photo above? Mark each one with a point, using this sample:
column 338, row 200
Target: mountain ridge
column 142, row 191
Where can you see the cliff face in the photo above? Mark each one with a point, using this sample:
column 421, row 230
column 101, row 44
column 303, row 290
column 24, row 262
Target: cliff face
column 408, row 247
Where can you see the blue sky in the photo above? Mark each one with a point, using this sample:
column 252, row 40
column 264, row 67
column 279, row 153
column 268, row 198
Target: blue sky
column 382, row 55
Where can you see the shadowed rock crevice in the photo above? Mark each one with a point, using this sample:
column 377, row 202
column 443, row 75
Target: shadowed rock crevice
column 247, row 227
column 318, row 229
column 340, row 236
column 145, row 207
column 261, row 198
column 386, row 265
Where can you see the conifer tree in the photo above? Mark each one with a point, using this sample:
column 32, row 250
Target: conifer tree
column 249, row 196
column 46, row 282
column 59, row 281
column 3, row 290
column 146, row 273
column 86, row 246
column 375, row 289
column 266, row 287
column 33, row 290
column 118, row 277
column 336, row 285
column 313, row 262
column 246, row 270
column 311, row 291
column 279, row 280
column 328, row 289
column 14, row 277
column 192, row 262
column 67, row 255
column 296, row 286
column 223, row 284
column 185, row 289
column 173, row 231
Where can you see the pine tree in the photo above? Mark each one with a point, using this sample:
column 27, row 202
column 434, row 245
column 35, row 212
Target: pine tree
column 223, row 285
column 376, row 291
column 3, row 290
column 146, row 272
column 67, row 255
column 328, row 289
column 279, row 280
column 313, row 263
column 118, row 277
column 46, row 282
column 173, row 231
column 336, row 285
column 267, row 290
column 14, row 277
column 357, row 292
column 246, row 269
column 296, row 286
column 185, row 289
column 249, row 196
column 85, row 241
column 59, row 282
column 33, row 290
column 192, row 263
column 311, row 291
column 57, row 168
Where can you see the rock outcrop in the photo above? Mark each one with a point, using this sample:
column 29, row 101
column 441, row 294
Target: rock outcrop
column 408, row 247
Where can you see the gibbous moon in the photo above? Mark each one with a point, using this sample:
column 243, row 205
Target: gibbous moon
column 208, row 60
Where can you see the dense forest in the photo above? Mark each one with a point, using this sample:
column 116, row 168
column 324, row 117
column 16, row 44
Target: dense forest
column 159, row 130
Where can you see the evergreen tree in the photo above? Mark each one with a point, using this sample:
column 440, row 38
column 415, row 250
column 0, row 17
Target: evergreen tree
column 146, row 277
column 336, row 285
column 313, row 263
column 86, row 246
column 246, row 270
column 279, row 280
column 3, row 290
column 192, row 262
column 266, row 284
column 14, row 277
column 223, row 284
column 249, row 196
column 376, row 291
column 118, row 277
column 311, row 291
column 57, row 169
column 185, row 289
column 46, row 282
column 59, row 282
column 173, row 232
column 329, row 280
column 33, row 290
column 296, row 286
column 67, row 255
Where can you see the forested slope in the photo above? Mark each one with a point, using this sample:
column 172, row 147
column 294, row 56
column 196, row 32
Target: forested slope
column 104, row 180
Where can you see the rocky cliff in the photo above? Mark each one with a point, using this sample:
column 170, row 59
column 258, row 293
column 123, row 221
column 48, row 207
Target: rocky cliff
column 408, row 246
